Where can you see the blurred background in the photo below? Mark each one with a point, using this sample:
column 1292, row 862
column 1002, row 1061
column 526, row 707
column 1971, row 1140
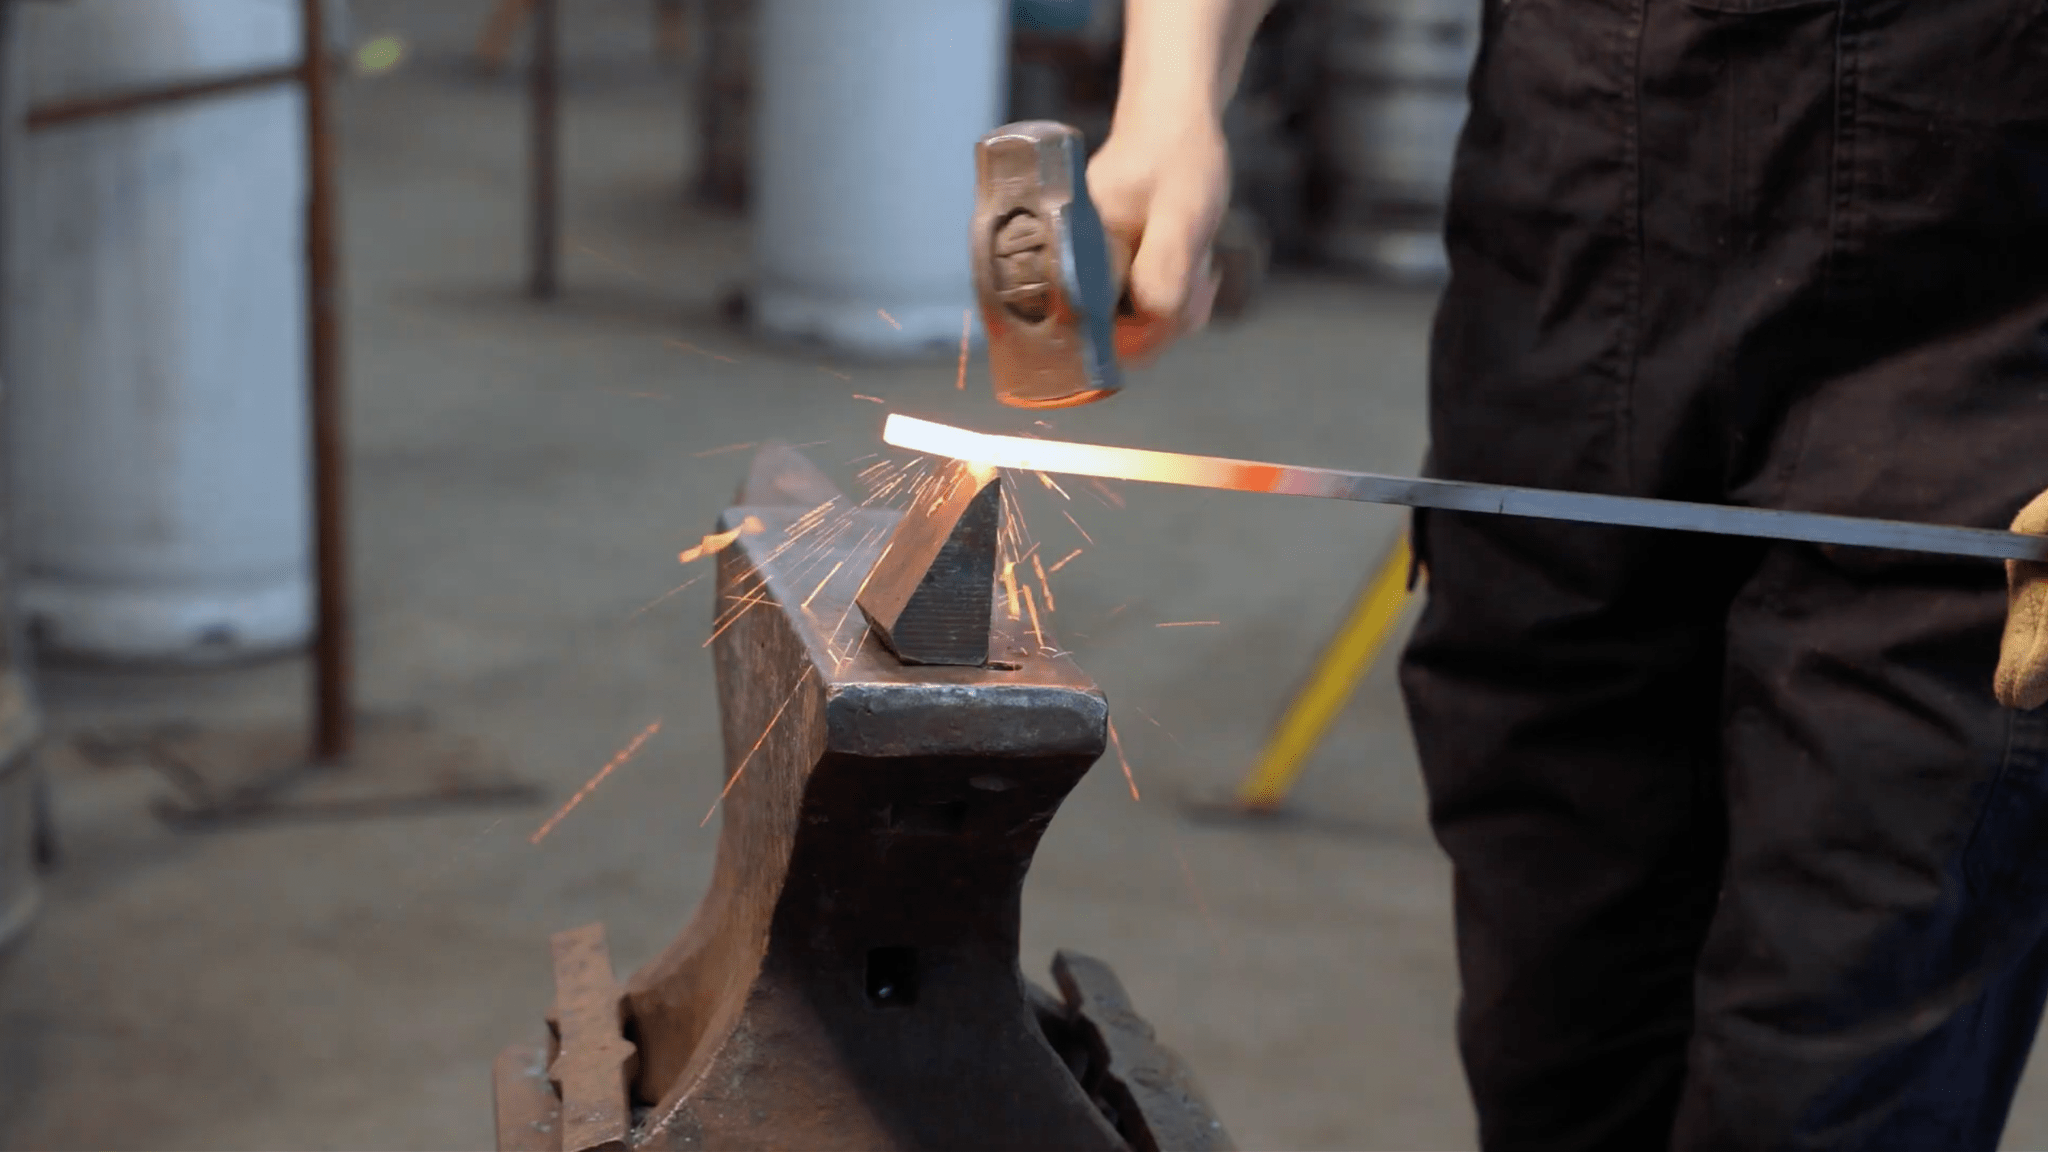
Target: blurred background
column 464, row 414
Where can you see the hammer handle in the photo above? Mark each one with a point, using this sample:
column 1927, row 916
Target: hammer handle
column 1238, row 257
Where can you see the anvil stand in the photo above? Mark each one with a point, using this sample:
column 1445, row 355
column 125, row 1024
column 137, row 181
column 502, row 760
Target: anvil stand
column 234, row 778
column 851, row 978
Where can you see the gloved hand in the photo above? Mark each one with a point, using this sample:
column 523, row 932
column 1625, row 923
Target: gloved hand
column 2023, row 658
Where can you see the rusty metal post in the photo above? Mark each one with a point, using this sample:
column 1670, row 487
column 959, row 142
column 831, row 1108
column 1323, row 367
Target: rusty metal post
column 57, row 114
column 544, row 89
column 671, row 31
column 851, row 978
column 333, row 664
column 236, row 777
column 725, row 102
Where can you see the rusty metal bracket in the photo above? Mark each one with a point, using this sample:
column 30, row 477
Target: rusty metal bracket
column 851, row 978
column 591, row 1060
column 1145, row 1088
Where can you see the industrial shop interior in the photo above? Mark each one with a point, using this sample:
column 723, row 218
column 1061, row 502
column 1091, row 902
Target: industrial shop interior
column 479, row 674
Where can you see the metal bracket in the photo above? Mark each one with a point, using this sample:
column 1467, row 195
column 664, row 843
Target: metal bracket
column 590, row 1064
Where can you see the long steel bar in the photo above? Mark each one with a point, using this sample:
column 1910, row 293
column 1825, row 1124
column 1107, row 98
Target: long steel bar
column 333, row 661
column 1583, row 507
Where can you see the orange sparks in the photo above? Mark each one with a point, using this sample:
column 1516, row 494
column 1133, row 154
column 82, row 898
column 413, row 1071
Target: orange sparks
column 883, row 313
column 733, row 616
column 723, row 450
column 689, row 347
column 854, row 600
column 821, row 584
column 624, row 754
column 1010, row 585
column 1118, row 744
column 806, row 521
column 1033, row 607
column 718, row 541
column 1048, row 482
column 1077, row 526
column 831, row 372
column 772, row 722
column 870, row 399
column 1157, row 724
column 854, row 653
column 659, row 600
column 1190, row 624
column 1040, row 569
column 1109, row 495
column 1064, row 560
column 966, row 325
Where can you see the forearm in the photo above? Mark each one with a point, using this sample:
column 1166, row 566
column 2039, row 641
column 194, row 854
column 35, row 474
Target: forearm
column 1183, row 57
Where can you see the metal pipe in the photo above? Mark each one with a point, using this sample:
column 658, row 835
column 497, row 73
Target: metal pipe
column 333, row 666
column 545, row 148
column 60, row 112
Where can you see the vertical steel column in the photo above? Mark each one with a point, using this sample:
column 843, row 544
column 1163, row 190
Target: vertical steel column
column 333, row 665
column 545, row 148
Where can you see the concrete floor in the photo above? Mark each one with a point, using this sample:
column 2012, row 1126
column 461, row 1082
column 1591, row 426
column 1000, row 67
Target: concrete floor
column 524, row 478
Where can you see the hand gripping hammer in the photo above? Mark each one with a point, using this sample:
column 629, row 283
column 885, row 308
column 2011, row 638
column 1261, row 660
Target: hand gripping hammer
column 1050, row 280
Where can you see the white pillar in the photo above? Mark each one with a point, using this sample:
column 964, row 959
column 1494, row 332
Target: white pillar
column 157, row 350
column 864, row 166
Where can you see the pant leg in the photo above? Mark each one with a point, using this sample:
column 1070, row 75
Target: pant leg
column 1563, row 681
column 1779, row 252
column 1874, row 974
column 1563, row 691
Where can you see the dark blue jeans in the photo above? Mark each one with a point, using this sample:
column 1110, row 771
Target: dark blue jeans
column 1746, row 855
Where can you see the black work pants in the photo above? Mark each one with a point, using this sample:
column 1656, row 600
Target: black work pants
column 1745, row 854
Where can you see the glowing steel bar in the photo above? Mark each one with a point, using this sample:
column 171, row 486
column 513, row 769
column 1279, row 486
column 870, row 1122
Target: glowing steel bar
column 1331, row 483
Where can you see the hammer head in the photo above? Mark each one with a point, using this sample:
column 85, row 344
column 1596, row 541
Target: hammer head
column 1042, row 269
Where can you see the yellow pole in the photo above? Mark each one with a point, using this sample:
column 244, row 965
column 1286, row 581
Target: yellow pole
column 1337, row 673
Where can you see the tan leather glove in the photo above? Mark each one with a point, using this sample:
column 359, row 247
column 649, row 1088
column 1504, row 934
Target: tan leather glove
column 2023, row 658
